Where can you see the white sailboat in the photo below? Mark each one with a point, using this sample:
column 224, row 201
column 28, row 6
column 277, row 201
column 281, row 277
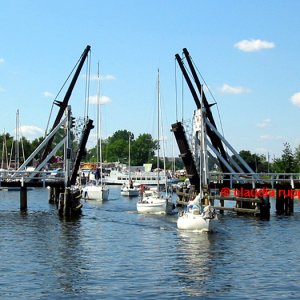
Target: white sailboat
column 200, row 216
column 96, row 189
column 152, row 201
column 129, row 189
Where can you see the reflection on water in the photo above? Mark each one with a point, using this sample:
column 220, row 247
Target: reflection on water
column 112, row 252
column 194, row 262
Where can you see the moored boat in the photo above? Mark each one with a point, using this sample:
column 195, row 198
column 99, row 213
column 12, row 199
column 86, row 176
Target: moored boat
column 147, row 178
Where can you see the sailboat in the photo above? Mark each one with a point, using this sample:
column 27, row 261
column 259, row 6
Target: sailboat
column 96, row 189
column 199, row 214
column 128, row 189
column 152, row 201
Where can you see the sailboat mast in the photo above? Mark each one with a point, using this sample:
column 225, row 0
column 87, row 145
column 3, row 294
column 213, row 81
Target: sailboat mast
column 4, row 152
column 99, row 142
column 129, row 162
column 97, row 127
column 17, row 154
column 204, row 161
column 158, row 122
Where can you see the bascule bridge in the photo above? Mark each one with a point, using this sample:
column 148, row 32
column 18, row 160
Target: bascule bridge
column 62, row 189
column 234, row 172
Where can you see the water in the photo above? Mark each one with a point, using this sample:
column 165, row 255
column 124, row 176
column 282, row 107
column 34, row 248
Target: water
column 112, row 252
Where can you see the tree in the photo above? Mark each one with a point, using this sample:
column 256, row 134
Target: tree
column 256, row 162
column 116, row 146
column 287, row 162
column 297, row 159
column 143, row 149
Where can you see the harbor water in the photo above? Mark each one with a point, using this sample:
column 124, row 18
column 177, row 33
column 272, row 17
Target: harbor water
column 111, row 252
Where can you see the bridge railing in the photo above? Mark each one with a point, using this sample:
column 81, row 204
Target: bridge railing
column 254, row 178
column 27, row 176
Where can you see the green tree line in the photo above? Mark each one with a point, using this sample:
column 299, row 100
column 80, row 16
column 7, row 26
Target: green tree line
column 142, row 150
column 288, row 162
column 116, row 149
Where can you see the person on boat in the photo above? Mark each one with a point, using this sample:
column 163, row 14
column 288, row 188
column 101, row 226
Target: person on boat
column 97, row 174
column 194, row 204
column 142, row 190
column 131, row 184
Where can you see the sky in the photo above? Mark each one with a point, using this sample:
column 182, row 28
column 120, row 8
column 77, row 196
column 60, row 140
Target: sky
column 246, row 51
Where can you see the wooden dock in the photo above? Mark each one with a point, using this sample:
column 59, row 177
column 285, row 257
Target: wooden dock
column 252, row 196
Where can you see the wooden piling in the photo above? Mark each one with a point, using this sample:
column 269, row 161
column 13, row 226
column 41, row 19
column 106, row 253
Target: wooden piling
column 23, row 198
column 285, row 200
column 288, row 205
column 67, row 203
column 51, row 195
column 222, row 206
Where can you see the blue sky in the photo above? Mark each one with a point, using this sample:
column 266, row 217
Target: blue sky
column 247, row 52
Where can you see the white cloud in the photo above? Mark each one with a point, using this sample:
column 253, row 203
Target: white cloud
column 253, row 45
column 265, row 123
column 48, row 94
column 1, row 60
column 271, row 137
column 227, row 89
column 102, row 77
column 102, row 100
column 31, row 132
column 296, row 99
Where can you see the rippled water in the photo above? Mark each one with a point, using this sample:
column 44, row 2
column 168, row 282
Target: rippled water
column 112, row 252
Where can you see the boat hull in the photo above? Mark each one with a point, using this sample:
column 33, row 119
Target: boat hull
column 130, row 192
column 154, row 207
column 196, row 222
column 99, row 193
column 138, row 178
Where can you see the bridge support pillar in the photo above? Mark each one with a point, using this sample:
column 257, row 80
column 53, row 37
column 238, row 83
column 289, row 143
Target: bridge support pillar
column 23, row 198
column 284, row 201
column 69, row 203
column 54, row 193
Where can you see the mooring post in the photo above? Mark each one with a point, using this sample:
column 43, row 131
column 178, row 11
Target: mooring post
column 51, row 195
column 279, row 201
column 222, row 205
column 264, row 207
column 67, row 203
column 285, row 200
column 289, row 202
column 23, row 198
